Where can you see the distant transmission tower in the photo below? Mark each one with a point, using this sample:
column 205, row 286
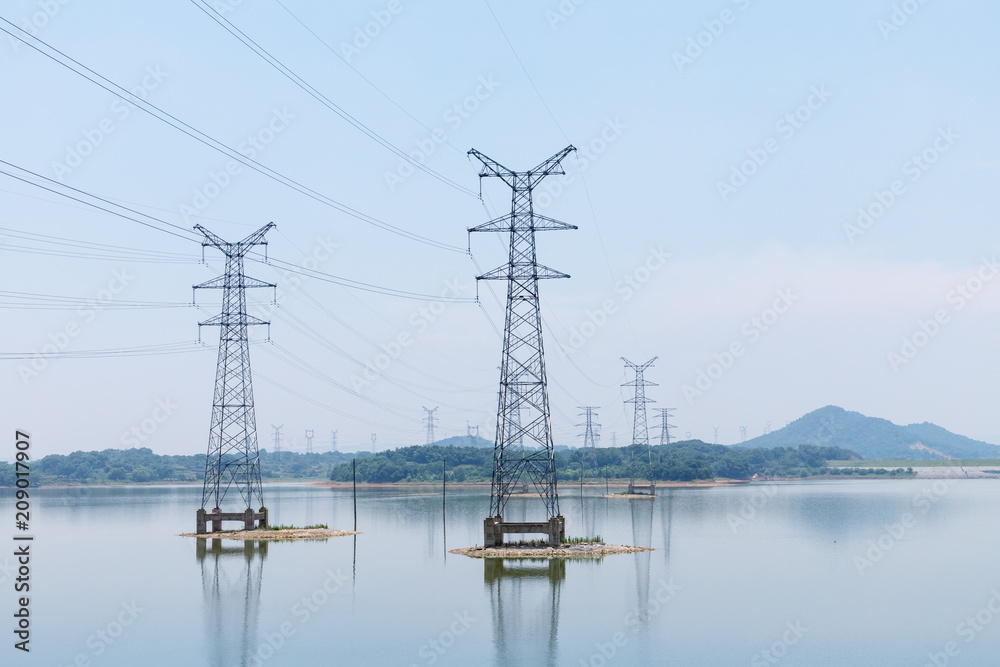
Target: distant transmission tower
column 309, row 441
column 277, row 439
column 665, row 427
column 233, row 457
column 430, row 419
column 640, row 432
column 591, row 434
column 373, row 442
column 523, row 382
column 333, row 440
column 743, row 434
column 716, row 434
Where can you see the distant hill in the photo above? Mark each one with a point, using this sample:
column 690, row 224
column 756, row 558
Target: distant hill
column 875, row 438
column 464, row 441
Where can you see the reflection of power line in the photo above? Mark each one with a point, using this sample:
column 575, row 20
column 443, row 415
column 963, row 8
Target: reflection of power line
column 231, row 579
column 518, row 599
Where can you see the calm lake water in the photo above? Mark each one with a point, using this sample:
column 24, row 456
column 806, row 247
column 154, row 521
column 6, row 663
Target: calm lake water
column 864, row 572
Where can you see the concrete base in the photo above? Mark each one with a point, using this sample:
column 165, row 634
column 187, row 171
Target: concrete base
column 642, row 489
column 217, row 516
column 494, row 528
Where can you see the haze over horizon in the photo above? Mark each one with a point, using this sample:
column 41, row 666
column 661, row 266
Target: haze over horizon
column 798, row 212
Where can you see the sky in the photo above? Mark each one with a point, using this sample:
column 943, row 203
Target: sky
column 789, row 205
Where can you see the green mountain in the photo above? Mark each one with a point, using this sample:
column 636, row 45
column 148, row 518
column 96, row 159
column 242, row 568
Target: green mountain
column 875, row 438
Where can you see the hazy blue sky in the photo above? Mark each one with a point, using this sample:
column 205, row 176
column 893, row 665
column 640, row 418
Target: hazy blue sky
column 727, row 152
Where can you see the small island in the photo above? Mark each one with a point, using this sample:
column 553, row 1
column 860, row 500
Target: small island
column 277, row 533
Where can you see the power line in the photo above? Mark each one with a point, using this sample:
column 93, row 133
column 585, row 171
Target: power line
column 285, row 71
column 319, row 275
column 214, row 144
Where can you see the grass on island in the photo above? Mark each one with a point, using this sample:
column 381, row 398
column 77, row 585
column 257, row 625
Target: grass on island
column 544, row 543
column 915, row 463
column 316, row 526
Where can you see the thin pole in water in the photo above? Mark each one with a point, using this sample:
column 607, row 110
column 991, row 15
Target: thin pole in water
column 606, row 492
column 354, row 473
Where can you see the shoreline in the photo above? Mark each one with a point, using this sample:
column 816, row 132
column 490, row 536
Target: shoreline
column 590, row 550
column 291, row 535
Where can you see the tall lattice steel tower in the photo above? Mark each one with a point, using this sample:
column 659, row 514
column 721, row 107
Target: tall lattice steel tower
column 310, row 434
column 522, row 370
column 591, row 434
column 277, row 439
column 233, row 458
column 431, row 421
column 665, row 425
column 640, row 432
column 333, row 440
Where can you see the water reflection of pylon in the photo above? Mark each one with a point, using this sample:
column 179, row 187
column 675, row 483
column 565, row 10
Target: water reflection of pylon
column 230, row 579
column 516, row 600
column 642, row 535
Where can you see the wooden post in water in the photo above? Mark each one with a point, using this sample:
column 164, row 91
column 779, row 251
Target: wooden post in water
column 354, row 473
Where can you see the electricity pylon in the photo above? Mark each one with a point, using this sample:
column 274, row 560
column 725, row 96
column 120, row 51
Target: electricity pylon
column 233, row 457
column 309, row 441
column 333, row 440
column 277, row 439
column 591, row 434
column 431, row 420
column 640, row 432
column 665, row 427
column 522, row 371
